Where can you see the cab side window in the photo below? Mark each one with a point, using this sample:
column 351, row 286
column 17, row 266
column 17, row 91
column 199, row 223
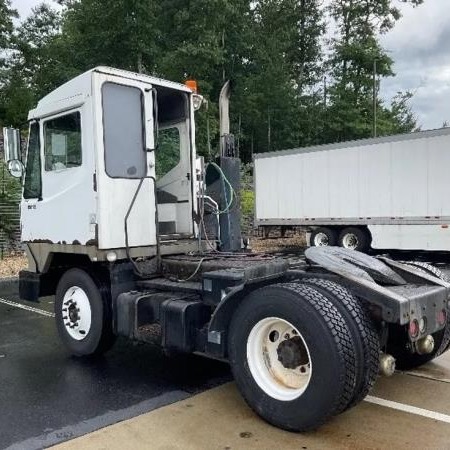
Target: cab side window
column 62, row 138
column 167, row 154
column 32, row 187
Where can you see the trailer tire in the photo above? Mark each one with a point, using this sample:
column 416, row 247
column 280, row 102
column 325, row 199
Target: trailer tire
column 354, row 239
column 83, row 314
column 405, row 360
column 365, row 335
column 323, row 237
column 280, row 332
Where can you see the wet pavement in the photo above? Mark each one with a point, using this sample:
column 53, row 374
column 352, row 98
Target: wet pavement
column 135, row 397
column 47, row 396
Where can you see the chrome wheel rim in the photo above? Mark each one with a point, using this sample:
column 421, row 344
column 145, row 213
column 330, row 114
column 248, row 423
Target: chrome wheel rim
column 321, row 240
column 350, row 241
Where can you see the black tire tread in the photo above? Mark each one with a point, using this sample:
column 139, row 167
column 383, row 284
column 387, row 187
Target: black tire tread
column 368, row 335
column 343, row 345
column 342, row 338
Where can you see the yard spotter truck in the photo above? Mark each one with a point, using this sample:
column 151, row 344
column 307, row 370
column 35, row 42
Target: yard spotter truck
column 385, row 193
column 136, row 237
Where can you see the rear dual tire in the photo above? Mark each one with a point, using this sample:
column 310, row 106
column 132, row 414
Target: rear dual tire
column 293, row 356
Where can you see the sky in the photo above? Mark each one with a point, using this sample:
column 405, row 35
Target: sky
column 419, row 45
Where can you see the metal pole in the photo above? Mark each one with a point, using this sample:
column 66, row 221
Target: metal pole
column 375, row 97
column 268, row 130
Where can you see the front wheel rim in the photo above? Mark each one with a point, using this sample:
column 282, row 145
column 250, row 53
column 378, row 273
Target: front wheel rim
column 76, row 313
column 279, row 359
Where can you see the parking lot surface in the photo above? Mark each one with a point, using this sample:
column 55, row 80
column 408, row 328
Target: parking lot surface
column 135, row 397
column 414, row 413
column 47, row 397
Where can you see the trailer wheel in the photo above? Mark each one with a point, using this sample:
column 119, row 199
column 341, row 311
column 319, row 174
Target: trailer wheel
column 354, row 239
column 292, row 356
column 83, row 314
column 323, row 237
column 398, row 347
column 365, row 335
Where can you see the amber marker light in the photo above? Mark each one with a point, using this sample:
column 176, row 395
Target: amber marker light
column 192, row 85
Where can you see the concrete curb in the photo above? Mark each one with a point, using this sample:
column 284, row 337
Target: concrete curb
column 9, row 285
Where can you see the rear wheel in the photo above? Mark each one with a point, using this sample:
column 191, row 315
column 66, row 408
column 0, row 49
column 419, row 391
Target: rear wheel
column 354, row 238
column 83, row 314
column 365, row 336
column 323, row 237
column 292, row 356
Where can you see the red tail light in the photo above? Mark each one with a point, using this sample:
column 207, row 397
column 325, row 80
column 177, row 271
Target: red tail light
column 414, row 328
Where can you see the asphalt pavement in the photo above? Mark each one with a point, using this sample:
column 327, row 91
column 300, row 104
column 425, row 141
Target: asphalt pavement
column 135, row 397
column 47, row 396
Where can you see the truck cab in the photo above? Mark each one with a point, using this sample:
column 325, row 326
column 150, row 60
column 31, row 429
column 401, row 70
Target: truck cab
column 114, row 153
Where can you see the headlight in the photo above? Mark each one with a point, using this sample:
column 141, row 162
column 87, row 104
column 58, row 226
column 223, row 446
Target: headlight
column 197, row 101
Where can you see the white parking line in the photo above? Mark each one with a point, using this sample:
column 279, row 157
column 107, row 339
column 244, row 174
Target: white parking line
column 434, row 377
column 27, row 308
column 409, row 409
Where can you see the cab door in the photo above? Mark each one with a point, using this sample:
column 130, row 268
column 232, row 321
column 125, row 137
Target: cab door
column 125, row 162
column 58, row 204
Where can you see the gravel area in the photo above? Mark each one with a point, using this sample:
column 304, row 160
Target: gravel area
column 286, row 244
column 10, row 266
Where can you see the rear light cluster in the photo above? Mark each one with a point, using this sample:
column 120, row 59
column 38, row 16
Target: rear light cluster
column 417, row 327
column 442, row 317
column 414, row 328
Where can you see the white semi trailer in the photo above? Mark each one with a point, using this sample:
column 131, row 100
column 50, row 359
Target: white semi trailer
column 134, row 237
column 387, row 193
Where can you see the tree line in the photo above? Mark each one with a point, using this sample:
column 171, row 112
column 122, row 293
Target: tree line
column 302, row 71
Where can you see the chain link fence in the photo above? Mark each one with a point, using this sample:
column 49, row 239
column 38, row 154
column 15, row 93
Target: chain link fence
column 9, row 210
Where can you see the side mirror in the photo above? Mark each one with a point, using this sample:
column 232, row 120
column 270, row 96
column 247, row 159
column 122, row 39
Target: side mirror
column 11, row 145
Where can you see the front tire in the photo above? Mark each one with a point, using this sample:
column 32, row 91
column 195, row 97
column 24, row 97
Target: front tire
column 292, row 356
column 83, row 314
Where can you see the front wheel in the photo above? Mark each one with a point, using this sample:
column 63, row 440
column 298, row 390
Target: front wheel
column 292, row 356
column 83, row 314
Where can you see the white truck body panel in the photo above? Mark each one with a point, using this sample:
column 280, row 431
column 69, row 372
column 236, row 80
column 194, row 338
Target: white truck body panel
column 398, row 181
column 91, row 204
column 71, row 196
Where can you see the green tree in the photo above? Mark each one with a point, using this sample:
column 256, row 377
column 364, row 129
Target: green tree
column 279, row 86
column 35, row 66
column 7, row 14
column 355, row 50
column 122, row 34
